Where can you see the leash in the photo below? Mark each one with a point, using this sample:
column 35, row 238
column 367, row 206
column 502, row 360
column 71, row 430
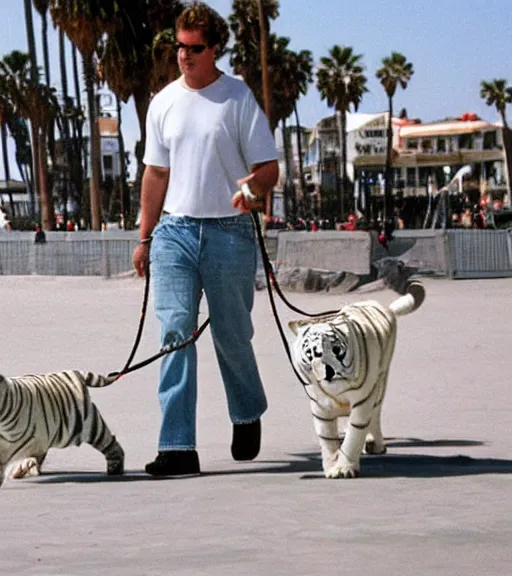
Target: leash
column 163, row 351
column 271, row 279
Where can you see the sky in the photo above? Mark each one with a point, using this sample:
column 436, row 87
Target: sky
column 452, row 44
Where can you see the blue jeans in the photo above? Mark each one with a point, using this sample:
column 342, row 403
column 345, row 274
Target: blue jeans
column 217, row 255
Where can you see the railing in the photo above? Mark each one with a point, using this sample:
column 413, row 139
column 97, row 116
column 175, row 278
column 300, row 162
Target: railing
column 480, row 253
column 67, row 254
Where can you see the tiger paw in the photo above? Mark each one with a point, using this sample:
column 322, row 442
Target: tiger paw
column 24, row 468
column 343, row 468
column 115, row 459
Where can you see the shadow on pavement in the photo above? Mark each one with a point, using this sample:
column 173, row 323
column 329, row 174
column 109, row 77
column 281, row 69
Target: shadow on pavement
column 308, row 466
column 423, row 466
column 418, row 442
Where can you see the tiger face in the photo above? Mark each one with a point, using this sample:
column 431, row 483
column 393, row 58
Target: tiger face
column 323, row 354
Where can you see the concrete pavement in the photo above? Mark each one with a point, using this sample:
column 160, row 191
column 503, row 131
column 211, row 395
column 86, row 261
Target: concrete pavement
column 438, row 503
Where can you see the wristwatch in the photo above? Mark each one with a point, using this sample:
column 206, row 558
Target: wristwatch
column 247, row 192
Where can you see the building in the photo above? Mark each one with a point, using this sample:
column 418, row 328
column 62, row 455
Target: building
column 109, row 137
column 289, row 167
column 431, row 154
column 425, row 158
column 14, row 198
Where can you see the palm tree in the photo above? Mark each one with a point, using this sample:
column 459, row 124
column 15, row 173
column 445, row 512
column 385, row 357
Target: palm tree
column 19, row 132
column 139, row 58
column 395, row 71
column 340, row 81
column 37, row 103
column 5, row 112
column 245, row 55
column 85, row 22
column 29, row 25
column 498, row 93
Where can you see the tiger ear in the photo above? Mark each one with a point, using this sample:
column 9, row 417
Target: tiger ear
column 294, row 326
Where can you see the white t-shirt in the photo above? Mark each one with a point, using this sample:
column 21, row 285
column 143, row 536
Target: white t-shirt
column 209, row 139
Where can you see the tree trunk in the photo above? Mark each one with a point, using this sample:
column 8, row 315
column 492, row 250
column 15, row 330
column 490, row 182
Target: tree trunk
column 45, row 203
column 305, row 202
column 7, row 169
column 67, row 150
column 79, row 141
column 46, row 60
column 337, row 168
column 95, row 144
column 289, row 190
column 29, row 25
column 344, row 178
column 388, row 188
column 5, row 155
column 507, row 146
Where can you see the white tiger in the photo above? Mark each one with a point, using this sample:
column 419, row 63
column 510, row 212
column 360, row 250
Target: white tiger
column 345, row 359
column 55, row 410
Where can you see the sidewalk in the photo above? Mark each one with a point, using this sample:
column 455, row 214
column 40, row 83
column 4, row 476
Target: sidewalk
column 438, row 503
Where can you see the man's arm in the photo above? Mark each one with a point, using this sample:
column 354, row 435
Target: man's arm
column 261, row 180
column 152, row 196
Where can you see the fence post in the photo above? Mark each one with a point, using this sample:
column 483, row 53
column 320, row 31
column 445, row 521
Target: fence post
column 105, row 258
column 509, row 246
column 448, row 254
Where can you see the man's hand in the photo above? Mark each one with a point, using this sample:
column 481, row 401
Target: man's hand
column 243, row 201
column 140, row 259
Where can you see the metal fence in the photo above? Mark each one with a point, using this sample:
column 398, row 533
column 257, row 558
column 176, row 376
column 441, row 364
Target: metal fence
column 480, row 253
column 67, row 254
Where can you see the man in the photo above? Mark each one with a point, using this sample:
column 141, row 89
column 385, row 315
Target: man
column 210, row 157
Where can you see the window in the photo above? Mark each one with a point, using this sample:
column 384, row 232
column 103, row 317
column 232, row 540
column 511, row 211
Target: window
column 411, row 177
column 466, row 142
column 441, row 145
column 490, row 140
column 108, row 163
column 426, row 145
column 424, row 173
column 411, row 144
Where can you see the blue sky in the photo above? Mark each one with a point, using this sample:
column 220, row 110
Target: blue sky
column 453, row 45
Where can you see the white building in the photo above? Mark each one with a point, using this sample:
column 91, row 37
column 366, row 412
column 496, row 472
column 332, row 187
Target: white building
column 425, row 157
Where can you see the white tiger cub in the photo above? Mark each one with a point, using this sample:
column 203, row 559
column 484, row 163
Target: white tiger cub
column 55, row 410
column 345, row 359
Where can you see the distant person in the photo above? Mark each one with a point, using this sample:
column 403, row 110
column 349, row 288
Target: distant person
column 40, row 236
column 467, row 218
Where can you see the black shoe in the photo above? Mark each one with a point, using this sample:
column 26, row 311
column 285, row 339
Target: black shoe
column 175, row 463
column 246, row 440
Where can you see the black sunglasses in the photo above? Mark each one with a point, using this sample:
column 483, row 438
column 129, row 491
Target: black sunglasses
column 193, row 48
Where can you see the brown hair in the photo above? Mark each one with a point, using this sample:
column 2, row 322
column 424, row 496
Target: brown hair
column 200, row 16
